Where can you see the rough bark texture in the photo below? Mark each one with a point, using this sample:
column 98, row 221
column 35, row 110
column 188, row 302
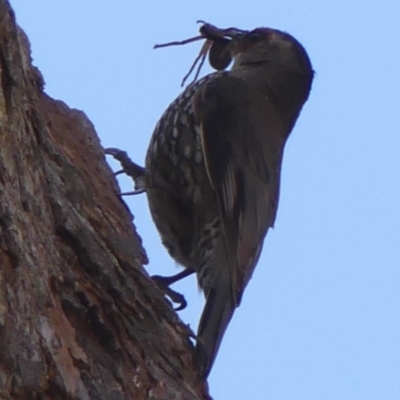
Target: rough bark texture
column 79, row 316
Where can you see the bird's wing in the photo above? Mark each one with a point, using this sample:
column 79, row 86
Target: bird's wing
column 242, row 139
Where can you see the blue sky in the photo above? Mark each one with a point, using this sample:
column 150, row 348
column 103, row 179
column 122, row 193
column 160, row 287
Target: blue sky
column 321, row 317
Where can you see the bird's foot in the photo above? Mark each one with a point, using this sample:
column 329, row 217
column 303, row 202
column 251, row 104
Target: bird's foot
column 164, row 282
column 135, row 171
column 176, row 298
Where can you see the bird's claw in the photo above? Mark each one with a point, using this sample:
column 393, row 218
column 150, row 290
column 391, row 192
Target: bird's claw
column 135, row 171
column 133, row 192
column 175, row 297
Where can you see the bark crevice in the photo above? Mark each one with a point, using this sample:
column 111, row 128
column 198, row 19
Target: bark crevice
column 79, row 316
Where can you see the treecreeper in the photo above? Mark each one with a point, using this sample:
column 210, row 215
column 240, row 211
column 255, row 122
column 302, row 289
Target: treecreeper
column 212, row 172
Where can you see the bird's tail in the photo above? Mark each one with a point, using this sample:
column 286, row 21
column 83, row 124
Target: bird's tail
column 215, row 318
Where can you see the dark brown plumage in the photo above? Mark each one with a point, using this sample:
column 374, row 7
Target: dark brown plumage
column 214, row 162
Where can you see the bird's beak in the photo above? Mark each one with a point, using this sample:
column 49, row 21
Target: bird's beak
column 213, row 33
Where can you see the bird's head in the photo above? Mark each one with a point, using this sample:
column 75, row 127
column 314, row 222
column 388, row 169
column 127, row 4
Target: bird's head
column 270, row 59
column 273, row 60
column 268, row 47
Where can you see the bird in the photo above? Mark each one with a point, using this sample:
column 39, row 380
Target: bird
column 213, row 165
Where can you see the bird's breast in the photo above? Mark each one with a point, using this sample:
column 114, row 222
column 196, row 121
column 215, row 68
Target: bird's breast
column 181, row 198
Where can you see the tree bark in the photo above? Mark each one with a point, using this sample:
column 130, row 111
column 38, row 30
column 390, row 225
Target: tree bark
column 79, row 316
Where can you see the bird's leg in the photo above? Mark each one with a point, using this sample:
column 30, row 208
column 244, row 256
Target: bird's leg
column 140, row 177
column 135, row 171
column 164, row 282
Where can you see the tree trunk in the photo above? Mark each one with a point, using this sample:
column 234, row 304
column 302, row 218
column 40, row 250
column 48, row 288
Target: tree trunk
column 79, row 316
